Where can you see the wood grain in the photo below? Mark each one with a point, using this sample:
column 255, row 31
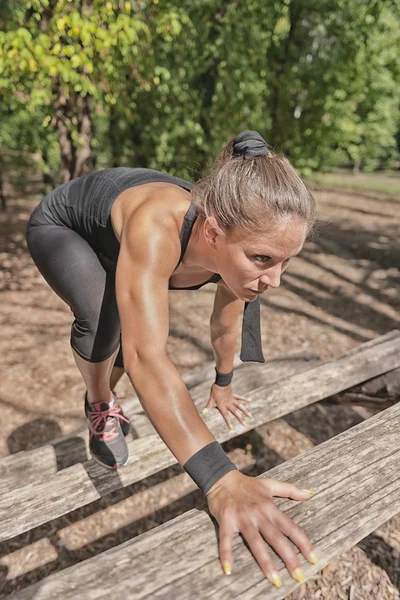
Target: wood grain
column 25, row 467
column 357, row 483
column 147, row 455
column 38, row 503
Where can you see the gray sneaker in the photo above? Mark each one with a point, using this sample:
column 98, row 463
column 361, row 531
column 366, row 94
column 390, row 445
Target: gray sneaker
column 107, row 429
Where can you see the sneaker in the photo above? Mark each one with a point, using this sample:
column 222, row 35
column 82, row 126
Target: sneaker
column 107, row 426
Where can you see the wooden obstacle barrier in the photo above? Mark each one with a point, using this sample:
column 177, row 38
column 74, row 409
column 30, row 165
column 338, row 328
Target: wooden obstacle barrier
column 354, row 474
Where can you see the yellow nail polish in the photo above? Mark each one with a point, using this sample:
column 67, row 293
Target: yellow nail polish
column 308, row 491
column 250, row 415
column 205, row 410
column 244, row 424
column 230, row 426
column 298, row 575
column 313, row 558
column 227, row 568
column 276, row 580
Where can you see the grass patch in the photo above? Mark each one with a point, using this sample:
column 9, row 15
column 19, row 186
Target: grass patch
column 388, row 183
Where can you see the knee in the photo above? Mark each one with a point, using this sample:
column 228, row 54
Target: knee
column 92, row 341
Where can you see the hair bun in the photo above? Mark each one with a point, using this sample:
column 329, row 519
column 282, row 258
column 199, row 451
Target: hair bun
column 250, row 144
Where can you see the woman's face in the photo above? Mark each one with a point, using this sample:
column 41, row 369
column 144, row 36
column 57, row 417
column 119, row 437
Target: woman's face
column 249, row 264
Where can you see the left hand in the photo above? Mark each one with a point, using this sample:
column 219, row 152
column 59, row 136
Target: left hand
column 228, row 404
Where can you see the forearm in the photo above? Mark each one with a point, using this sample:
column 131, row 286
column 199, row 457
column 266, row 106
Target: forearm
column 224, row 347
column 168, row 405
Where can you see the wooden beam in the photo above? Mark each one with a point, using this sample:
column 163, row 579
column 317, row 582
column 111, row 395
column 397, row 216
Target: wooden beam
column 31, row 466
column 357, row 483
column 355, row 399
column 93, row 477
column 81, row 484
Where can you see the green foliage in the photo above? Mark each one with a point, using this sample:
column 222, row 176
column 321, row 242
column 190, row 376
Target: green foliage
column 166, row 83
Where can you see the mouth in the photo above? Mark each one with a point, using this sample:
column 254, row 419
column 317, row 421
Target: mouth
column 257, row 292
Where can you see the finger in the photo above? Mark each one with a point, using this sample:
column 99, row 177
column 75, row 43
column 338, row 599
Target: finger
column 210, row 404
column 297, row 535
column 287, row 490
column 227, row 418
column 242, row 398
column 225, row 547
column 243, row 409
column 235, row 411
column 282, row 547
column 261, row 554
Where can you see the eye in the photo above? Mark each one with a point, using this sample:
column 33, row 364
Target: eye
column 262, row 258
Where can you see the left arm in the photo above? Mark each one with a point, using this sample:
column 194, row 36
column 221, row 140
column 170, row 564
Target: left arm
column 224, row 329
column 224, row 325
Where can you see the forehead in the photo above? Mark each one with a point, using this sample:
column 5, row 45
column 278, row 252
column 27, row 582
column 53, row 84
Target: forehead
column 284, row 238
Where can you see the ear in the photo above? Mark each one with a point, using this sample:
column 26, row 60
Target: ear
column 211, row 231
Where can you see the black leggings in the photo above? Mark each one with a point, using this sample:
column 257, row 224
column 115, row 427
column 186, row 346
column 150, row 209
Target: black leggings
column 78, row 275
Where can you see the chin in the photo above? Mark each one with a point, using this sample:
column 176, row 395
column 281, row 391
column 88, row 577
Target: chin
column 248, row 296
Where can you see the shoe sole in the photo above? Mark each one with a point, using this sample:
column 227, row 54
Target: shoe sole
column 114, row 468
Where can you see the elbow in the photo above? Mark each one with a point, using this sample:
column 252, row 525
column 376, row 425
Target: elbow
column 219, row 329
column 136, row 359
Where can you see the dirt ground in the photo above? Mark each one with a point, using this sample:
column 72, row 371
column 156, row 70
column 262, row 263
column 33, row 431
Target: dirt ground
column 340, row 292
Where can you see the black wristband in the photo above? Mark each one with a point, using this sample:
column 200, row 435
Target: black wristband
column 208, row 465
column 223, row 379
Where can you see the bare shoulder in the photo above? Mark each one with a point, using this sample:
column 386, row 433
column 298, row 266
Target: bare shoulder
column 150, row 233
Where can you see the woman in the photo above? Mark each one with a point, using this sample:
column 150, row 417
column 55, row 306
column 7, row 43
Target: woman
column 111, row 244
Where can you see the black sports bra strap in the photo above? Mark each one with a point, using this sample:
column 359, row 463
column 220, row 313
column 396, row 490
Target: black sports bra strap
column 187, row 226
column 251, row 349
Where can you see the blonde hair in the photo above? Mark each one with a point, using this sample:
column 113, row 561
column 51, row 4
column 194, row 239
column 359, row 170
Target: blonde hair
column 252, row 193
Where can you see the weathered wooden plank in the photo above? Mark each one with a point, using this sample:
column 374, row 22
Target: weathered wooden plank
column 354, row 399
column 389, row 384
column 17, row 470
column 60, row 493
column 47, row 499
column 330, row 377
column 357, row 483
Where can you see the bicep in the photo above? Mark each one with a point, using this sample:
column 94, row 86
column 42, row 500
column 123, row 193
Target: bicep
column 227, row 308
column 148, row 255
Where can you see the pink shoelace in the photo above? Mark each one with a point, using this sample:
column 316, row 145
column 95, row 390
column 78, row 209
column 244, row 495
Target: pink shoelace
column 100, row 417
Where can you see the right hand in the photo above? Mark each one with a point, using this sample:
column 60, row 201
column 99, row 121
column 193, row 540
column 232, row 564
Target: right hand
column 244, row 504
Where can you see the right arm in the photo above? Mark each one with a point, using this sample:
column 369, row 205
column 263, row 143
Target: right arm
column 148, row 255
column 149, row 252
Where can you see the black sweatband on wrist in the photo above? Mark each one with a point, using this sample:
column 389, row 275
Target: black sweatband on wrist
column 223, row 379
column 208, row 465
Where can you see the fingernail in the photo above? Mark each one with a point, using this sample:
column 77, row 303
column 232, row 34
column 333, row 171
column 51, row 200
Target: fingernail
column 230, row 426
column 244, row 423
column 308, row 491
column 298, row 575
column 313, row 558
column 250, row 415
column 276, row 580
column 204, row 410
column 227, row 568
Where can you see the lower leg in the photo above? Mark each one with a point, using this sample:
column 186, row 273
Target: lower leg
column 96, row 377
column 116, row 375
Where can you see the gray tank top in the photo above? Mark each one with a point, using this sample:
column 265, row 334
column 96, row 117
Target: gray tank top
column 84, row 205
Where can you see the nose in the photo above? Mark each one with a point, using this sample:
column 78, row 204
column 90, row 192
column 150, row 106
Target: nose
column 272, row 277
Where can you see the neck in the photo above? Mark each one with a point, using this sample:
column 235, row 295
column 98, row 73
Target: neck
column 198, row 252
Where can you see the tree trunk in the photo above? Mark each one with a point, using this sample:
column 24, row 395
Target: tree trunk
column 281, row 60
column 207, row 82
column 75, row 111
column 114, row 137
column 83, row 151
column 356, row 166
column 2, row 196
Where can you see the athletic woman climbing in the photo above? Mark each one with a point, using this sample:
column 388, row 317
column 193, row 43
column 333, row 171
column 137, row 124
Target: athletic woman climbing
column 111, row 244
